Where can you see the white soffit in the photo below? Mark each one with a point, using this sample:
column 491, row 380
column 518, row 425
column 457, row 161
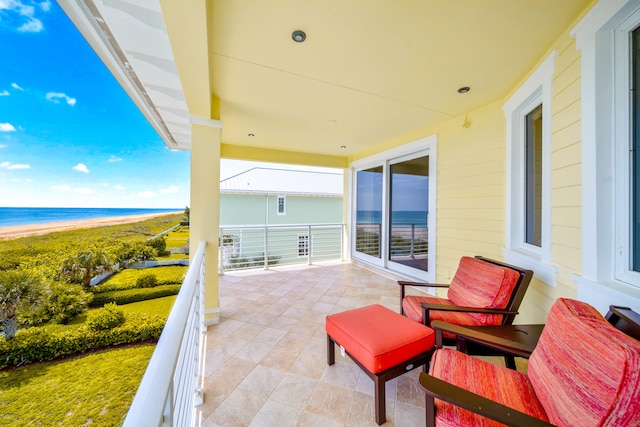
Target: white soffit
column 131, row 39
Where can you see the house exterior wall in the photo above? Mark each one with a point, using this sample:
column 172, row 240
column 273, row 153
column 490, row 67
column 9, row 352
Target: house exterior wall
column 248, row 209
column 472, row 180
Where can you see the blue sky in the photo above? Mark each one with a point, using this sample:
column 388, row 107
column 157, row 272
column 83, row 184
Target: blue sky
column 69, row 135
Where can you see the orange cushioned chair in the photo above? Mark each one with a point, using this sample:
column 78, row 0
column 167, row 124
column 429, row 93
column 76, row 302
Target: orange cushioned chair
column 583, row 372
column 482, row 292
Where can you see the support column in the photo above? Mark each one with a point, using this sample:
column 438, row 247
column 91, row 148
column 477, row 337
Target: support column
column 205, row 206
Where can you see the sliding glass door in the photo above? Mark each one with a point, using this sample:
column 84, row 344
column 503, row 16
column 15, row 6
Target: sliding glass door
column 394, row 210
column 408, row 213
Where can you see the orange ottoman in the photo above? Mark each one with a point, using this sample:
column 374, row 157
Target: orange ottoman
column 382, row 342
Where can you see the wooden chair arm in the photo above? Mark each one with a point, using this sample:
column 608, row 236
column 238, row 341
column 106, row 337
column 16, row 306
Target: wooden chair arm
column 436, row 388
column 404, row 283
column 458, row 308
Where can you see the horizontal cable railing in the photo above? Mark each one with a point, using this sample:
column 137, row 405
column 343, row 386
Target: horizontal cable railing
column 172, row 384
column 408, row 240
column 243, row 247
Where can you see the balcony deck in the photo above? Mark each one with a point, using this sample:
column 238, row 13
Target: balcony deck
column 266, row 359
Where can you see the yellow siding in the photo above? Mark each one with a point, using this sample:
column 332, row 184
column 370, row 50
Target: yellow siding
column 471, row 185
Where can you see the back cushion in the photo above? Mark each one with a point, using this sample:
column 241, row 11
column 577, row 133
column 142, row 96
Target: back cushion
column 482, row 284
column 584, row 371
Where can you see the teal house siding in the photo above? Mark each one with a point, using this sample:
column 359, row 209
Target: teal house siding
column 251, row 199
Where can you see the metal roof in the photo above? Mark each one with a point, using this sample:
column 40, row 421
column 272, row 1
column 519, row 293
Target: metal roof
column 284, row 181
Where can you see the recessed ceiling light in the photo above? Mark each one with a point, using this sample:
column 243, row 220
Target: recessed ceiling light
column 464, row 89
column 298, row 36
column 343, row 147
column 251, row 134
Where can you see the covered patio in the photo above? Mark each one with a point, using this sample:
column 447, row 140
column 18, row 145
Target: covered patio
column 510, row 122
column 266, row 360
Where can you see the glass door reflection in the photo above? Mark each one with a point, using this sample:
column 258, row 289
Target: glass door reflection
column 408, row 212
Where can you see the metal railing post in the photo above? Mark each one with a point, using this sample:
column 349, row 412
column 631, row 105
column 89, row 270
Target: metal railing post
column 266, row 248
column 309, row 245
column 413, row 236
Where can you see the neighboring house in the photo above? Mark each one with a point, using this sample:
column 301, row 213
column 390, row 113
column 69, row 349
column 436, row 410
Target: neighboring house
column 279, row 197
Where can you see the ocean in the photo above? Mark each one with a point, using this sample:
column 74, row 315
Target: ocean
column 400, row 218
column 25, row 216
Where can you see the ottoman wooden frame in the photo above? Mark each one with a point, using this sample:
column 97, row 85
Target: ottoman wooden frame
column 364, row 331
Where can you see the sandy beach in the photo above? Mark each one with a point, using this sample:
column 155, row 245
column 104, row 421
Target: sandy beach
column 14, row 232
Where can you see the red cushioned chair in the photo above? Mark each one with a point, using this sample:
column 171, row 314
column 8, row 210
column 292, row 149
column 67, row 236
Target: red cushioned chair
column 583, row 372
column 483, row 292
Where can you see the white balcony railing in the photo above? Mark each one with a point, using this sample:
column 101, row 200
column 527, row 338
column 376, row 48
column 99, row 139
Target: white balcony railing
column 172, row 384
column 251, row 246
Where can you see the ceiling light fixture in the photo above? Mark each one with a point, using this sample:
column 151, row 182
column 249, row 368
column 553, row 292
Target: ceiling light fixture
column 343, row 147
column 464, row 89
column 298, row 36
column 251, row 134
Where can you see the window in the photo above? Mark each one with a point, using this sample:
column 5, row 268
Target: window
column 533, row 177
column 282, row 206
column 607, row 39
column 303, row 245
column 528, row 232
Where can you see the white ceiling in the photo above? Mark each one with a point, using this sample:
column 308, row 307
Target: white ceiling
column 369, row 72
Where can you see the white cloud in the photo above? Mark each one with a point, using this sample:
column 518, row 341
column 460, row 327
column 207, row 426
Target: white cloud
column 170, row 189
column 114, row 159
column 11, row 166
column 119, row 187
column 83, row 191
column 5, row 93
column 7, row 127
column 81, row 167
column 55, row 97
column 24, row 13
column 3, row 146
column 146, row 194
column 33, row 25
column 60, row 187
column 15, row 86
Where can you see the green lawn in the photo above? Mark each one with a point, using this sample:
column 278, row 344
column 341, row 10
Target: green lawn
column 158, row 306
column 126, row 279
column 94, row 389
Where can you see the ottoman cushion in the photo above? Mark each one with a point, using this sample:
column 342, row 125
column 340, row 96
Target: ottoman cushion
column 378, row 337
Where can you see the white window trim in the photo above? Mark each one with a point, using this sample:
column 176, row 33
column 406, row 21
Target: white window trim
column 535, row 91
column 595, row 39
column 284, row 204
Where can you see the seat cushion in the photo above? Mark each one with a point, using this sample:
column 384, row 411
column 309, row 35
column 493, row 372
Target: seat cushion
column 482, row 284
column 379, row 338
column 482, row 378
column 584, row 371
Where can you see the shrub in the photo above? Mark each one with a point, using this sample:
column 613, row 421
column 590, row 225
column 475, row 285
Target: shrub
column 159, row 244
column 108, row 317
column 147, row 281
column 39, row 345
column 63, row 303
column 134, row 295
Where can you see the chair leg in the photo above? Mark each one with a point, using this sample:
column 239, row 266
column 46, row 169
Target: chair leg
column 331, row 351
column 510, row 362
column 381, row 412
column 430, row 411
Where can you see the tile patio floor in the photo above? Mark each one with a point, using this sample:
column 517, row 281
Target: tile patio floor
column 266, row 359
